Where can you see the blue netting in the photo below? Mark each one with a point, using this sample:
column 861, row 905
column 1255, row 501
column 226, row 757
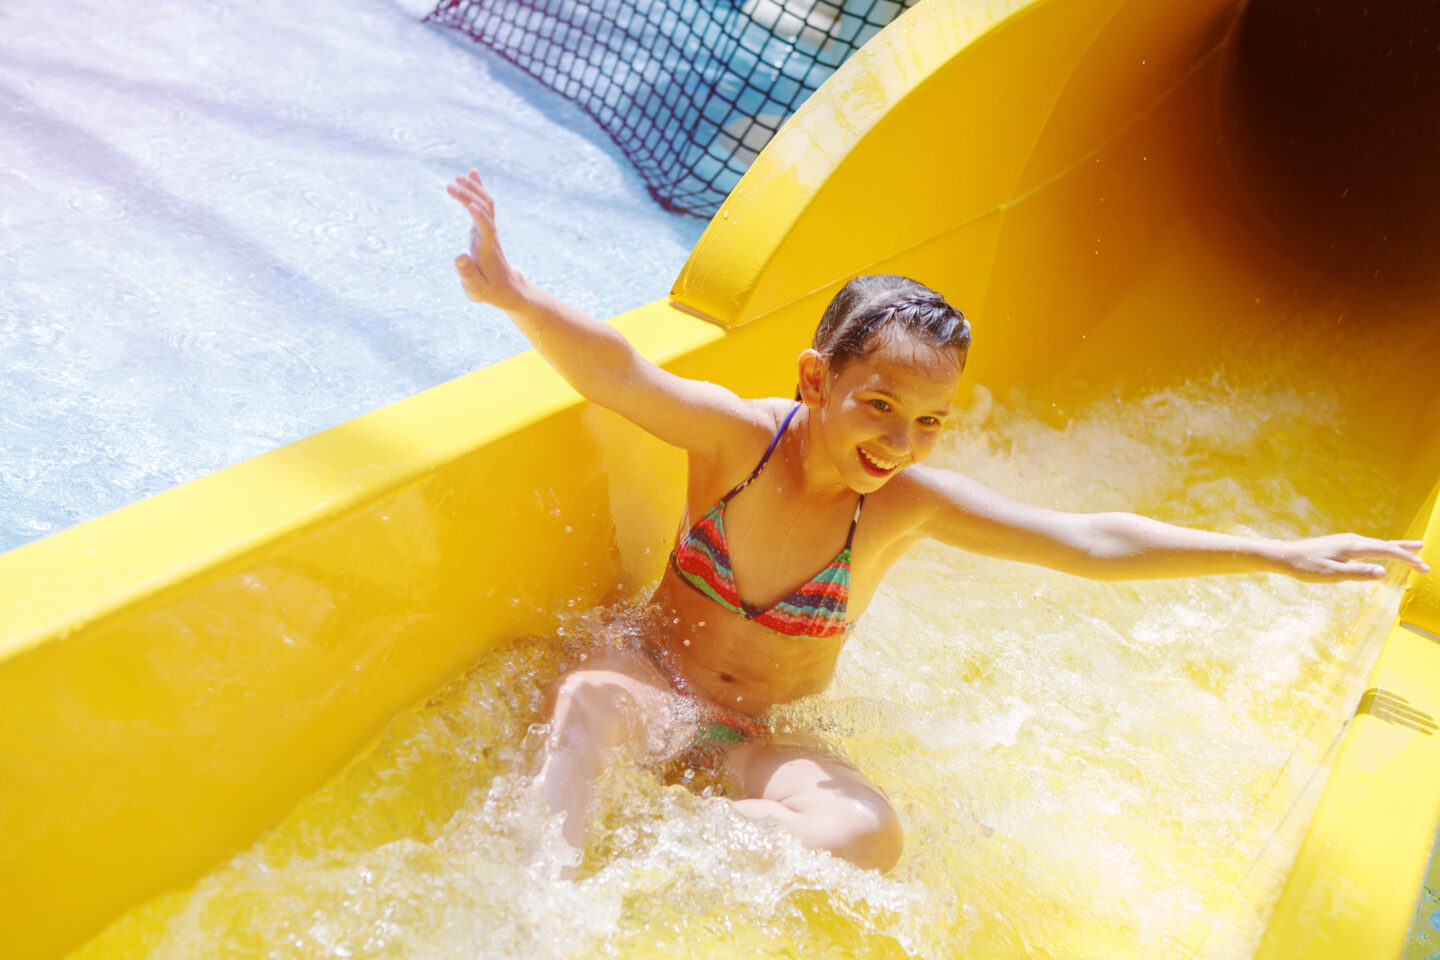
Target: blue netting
column 689, row 89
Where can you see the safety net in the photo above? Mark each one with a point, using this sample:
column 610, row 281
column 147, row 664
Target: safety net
column 690, row 90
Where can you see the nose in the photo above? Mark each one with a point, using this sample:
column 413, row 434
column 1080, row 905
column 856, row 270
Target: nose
column 896, row 441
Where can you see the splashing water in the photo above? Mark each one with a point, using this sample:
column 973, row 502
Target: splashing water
column 1083, row 769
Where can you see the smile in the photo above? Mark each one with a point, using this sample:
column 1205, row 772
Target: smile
column 876, row 465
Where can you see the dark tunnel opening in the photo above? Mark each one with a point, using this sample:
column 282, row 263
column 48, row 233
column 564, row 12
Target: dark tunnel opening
column 1331, row 122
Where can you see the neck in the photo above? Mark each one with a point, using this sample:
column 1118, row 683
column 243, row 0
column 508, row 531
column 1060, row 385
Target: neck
column 819, row 477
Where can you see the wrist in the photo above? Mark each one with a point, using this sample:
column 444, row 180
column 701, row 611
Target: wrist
column 519, row 295
column 1277, row 556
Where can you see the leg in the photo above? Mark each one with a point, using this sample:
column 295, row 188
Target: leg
column 621, row 700
column 820, row 797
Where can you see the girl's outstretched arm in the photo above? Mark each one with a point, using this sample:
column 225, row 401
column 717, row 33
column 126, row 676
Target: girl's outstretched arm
column 591, row 355
column 1122, row 546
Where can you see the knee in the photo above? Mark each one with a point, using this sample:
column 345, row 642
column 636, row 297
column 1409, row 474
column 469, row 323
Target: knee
column 885, row 838
column 875, row 835
column 592, row 699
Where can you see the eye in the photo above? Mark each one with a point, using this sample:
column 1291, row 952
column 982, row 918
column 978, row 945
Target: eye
column 880, row 405
column 930, row 421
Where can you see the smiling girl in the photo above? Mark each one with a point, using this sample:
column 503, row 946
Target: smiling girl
column 795, row 510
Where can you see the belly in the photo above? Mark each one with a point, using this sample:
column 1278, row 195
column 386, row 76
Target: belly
column 735, row 662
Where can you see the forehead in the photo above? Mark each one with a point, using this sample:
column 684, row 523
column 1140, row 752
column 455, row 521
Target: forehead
column 909, row 367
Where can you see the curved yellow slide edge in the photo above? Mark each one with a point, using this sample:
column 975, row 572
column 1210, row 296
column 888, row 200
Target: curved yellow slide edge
column 909, row 143
column 1353, row 888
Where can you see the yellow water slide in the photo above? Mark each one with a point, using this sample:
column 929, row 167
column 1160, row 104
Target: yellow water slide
column 1122, row 194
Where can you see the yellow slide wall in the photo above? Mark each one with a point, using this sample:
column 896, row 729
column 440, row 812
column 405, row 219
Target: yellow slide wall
column 1080, row 175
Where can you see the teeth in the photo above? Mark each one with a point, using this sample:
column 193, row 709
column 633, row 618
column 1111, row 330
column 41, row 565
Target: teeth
column 877, row 463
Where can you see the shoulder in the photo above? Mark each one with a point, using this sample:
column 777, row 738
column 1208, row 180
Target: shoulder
column 924, row 501
column 755, row 423
column 922, row 488
column 903, row 508
column 760, row 419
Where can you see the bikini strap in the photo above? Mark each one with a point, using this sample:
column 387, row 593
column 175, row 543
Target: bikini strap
column 851, row 536
column 765, row 459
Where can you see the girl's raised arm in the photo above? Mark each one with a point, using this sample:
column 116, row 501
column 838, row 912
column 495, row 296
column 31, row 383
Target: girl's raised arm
column 1124, row 546
column 591, row 355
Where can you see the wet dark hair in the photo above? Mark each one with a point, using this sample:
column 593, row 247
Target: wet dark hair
column 872, row 306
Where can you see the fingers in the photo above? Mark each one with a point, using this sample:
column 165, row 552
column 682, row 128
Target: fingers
column 471, row 197
column 470, row 271
column 1350, row 556
column 480, row 206
column 471, row 194
column 1354, row 570
column 1403, row 551
column 470, row 278
column 1335, row 571
column 484, row 272
column 470, row 187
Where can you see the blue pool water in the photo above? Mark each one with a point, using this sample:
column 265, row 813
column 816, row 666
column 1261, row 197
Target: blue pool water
column 225, row 228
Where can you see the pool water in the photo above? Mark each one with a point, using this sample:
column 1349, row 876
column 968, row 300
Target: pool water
column 1083, row 769
column 226, row 228
column 1424, row 939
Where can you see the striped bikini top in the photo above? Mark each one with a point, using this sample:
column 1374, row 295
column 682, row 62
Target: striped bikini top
column 816, row 609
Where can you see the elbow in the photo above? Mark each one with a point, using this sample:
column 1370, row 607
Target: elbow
column 613, row 374
column 1103, row 548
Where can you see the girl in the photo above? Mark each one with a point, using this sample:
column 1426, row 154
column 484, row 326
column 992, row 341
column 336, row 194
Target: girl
column 779, row 489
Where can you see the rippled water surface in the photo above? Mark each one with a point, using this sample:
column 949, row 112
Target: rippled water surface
column 1084, row 770
column 223, row 227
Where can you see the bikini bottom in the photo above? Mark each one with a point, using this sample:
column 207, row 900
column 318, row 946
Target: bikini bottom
column 701, row 764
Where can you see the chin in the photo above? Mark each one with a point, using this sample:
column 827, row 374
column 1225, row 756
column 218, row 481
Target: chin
column 864, row 481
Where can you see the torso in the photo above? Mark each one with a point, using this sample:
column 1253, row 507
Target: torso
column 776, row 541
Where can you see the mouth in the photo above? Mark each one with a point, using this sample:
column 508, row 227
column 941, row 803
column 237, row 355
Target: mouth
column 876, row 466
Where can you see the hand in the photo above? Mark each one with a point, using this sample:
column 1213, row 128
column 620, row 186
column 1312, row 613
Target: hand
column 485, row 274
column 1341, row 556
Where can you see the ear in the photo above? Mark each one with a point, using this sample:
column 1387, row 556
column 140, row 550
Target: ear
column 814, row 377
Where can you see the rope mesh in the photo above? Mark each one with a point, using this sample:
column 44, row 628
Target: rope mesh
column 690, row 90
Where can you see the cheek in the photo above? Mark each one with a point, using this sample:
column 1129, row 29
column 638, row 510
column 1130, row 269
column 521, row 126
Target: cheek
column 924, row 446
column 849, row 422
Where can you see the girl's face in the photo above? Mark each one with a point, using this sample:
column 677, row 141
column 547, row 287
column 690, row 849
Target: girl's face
column 884, row 411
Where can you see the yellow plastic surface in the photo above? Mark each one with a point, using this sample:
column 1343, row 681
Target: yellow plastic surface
column 175, row 675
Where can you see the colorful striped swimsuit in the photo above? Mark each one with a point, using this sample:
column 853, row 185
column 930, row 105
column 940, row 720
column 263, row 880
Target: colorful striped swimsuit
column 816, row 609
